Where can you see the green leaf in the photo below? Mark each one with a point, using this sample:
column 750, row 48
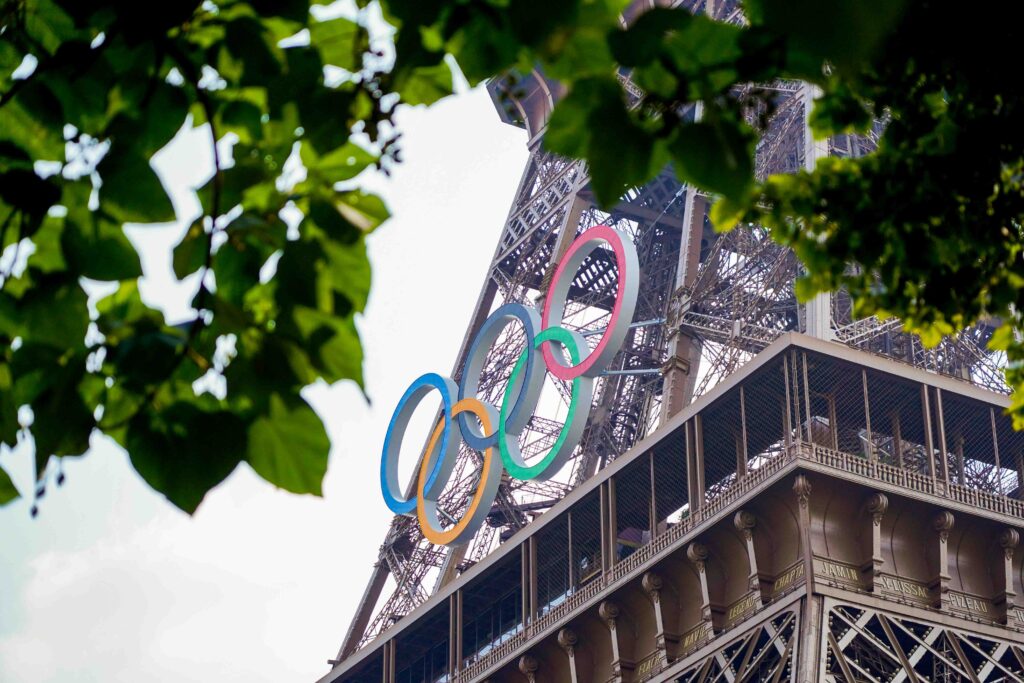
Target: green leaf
column 100, row 251
column 237, row 267
column 242, row 118
column 33, row 121
column 426, row 84
column 340, row 42
column 48, row 256
column 123, row 311
column 569, row 131
column 592, row 123
column 350, row 271
column 190, row 254
column 62, row 421
column 131, row 190
column 256, row 50
column 54, row 311
column 343, row 163
column 640, row 44
column 183, row 451
column 361, row 209
column 288, row 446
column 843, row 32
column 333, row 344
column 9, row 425
column 49, row 379
column 329, row 218
column 30, row 194
column 8, row 491
column 715, row 156
column 146, row 127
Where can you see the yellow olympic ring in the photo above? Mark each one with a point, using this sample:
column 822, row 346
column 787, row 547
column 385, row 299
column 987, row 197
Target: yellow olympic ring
column 490, row 476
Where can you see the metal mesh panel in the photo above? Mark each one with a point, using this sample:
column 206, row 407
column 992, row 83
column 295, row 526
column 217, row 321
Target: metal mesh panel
column 553, row 562
column 492, row 609
column 764, row 407
column 633, row 507
column 722, row 432
column 421, row 653
column 670, row 500
column 585, row 524
column 371, row 672
column 896, row 435
column 971, row 445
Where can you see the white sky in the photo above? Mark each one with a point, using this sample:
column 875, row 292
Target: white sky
column 112, row 583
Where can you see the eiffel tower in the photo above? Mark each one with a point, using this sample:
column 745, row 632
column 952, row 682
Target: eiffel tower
column 752, row 392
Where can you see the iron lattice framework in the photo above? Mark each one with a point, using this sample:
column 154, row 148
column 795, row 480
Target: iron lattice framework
column 864, row 644
column 708, row 302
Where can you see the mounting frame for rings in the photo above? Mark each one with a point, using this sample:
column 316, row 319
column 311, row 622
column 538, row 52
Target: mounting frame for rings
column 497, row 434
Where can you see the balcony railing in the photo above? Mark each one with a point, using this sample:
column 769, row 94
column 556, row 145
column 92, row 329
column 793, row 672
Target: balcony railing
column 838, row 460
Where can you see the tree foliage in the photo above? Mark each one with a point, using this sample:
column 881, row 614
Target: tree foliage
column 91, row 90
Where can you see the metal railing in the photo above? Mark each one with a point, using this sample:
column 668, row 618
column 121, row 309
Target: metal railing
column 800, row 450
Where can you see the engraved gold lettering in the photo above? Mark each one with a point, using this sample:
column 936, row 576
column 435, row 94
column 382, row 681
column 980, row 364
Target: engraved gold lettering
column 788, row 579
column 839, row 571
column 742, row 606
column 696, row 635
column 968, row 603
column 904, row 587
column 647, row 666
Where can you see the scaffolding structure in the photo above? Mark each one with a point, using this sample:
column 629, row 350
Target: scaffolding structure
column 708, row 302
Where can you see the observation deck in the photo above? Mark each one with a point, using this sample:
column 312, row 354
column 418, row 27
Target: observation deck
column 821, row 514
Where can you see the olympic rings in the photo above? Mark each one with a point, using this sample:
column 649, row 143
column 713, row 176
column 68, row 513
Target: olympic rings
column 527, row 392
column 498, row 432
column 622, row 309
column 396, row 432
column 480, row 504
column 581, row 394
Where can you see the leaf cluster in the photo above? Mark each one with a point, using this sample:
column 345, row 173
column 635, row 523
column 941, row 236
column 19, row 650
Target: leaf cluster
column 89, row 92
column 297, row 105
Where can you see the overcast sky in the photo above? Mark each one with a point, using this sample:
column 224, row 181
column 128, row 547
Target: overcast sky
column 112, row 583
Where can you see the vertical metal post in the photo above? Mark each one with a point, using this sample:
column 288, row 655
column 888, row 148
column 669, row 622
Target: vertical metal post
column 572, row 564
column 680, row 369
column 532, row 567
column 927, row 414
column 459, row 644
column 961, row 468
column 795, row 378
column 867, row 416
column 833, row 421
column 654, row 504
column 995, row 451
column 741, row 464
column 698, row 451
column 897, row 437
column 807, row 397
column 693, row 494
column 786, row 425
column 603, row 502
column 453, row 633
column 524, row 582
column 942, row 435
column 613, row 525
column 818, row 311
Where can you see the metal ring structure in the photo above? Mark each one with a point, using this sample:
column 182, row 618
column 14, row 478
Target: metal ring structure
column 496, row 433
column 526, row 391
column 622, row 310
column 490, row 476
column 582, row 393
column 434, row 482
